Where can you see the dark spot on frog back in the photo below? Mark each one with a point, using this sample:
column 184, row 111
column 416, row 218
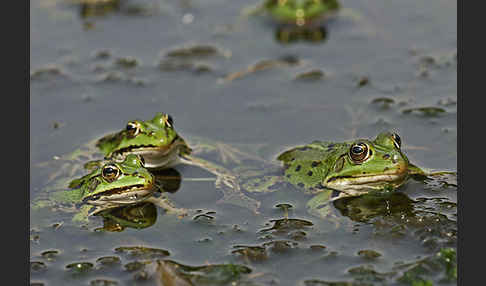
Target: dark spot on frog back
column 316, row 163
column 297, row 169
column 309, row 173
column 301, row 185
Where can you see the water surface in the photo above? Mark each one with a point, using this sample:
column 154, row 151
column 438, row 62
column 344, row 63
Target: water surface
column 406, row 51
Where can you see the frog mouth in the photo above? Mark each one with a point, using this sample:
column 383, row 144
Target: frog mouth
column 365, row 179
column 362, row 183
column 154, row 156
column 122, row 195
column 141, row 149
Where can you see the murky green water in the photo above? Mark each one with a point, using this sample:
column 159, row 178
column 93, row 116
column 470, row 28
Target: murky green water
column 406, row 50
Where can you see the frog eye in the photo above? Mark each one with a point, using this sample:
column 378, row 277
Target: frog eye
column 359, row 152
column 133, row 128
column 396, row 140
column 110, row 172
column 168, row 120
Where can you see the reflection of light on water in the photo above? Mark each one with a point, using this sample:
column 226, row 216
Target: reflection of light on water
column 187, row 18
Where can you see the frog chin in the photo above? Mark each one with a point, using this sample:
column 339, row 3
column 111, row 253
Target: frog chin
column 357, row 185
column 155, row 157
column 121, row 196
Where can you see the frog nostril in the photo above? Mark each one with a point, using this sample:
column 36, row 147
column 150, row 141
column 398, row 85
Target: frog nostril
column 386, row 156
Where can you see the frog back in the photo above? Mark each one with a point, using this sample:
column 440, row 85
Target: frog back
column 307, row 166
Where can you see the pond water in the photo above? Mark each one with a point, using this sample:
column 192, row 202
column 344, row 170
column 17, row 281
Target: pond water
column 382, row 65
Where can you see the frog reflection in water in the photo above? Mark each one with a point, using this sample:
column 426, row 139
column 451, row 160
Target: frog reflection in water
column 297, row 19
column 139, row 215
column 291, row 34
column 108, row 186
column 93, row 8
column 334, row 170
column 366, row 207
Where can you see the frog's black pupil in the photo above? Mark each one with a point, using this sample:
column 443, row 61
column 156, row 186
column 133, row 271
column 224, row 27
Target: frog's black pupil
column 130, row 126
column 357, row 149
column 108, row 171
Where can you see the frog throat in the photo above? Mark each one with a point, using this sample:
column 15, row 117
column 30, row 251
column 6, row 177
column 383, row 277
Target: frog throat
column 149, row 148
column 154, row 156
column 362, row 183
column 122, row 195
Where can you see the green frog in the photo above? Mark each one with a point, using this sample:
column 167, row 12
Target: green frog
column 107, row 186
column 296, row 12
column 307, row 20
column 161, row 147
column 334, row 170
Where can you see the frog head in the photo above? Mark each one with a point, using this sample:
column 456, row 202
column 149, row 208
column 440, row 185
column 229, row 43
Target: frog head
column 156, row 140
column 116, row 183
column 364, row 165
column 299, row 12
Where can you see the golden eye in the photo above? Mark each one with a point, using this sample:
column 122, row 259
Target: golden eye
column 133, row 128
column 396, row 140
column 359, row 152
column 110, row 172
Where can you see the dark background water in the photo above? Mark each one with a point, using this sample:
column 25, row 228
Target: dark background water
column 407, row 50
